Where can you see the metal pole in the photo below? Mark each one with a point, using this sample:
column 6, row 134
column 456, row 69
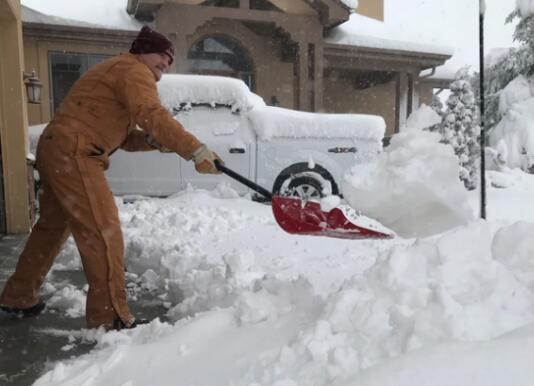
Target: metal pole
column 482, row 130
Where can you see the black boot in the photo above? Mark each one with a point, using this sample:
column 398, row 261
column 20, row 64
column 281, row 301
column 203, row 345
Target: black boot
column 118, row 324
column 25, row 312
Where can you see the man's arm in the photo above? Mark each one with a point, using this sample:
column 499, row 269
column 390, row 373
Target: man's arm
column 137, row 141
column 137, row 90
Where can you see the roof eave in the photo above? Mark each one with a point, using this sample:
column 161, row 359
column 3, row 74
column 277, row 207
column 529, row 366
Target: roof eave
column 67, row 32
column 423, row 60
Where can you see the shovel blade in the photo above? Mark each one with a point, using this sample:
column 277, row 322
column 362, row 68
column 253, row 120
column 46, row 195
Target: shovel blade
column 306, row 218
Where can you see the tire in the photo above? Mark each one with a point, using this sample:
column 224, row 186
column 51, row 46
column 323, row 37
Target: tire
column 299, row 180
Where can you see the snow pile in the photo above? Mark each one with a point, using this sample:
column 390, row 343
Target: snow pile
column 178, row 91
column 269, row 122
column 413, row 187
column 516, row 128
column 511, row 247
column 440, row 296
column 525, row 7
column 413, row 297
column 422, row 118
column 513, row 201
column 459, row 364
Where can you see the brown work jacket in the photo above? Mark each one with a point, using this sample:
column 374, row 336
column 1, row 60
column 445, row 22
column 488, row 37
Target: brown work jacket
column 108, row 103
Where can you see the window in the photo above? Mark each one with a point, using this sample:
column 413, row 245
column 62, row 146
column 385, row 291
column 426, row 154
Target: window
column 218, row 55
column 65, row 69
column 222, row 3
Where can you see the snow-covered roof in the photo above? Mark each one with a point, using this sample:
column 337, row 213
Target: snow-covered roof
column 32, row 16
column 109, row 14
column 363, row 31
column 176, row 90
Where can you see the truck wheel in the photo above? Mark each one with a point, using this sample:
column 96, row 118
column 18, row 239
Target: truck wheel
column 299, row 180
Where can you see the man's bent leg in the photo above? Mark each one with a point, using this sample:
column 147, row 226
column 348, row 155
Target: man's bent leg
column 81, row 186
column 45, row 240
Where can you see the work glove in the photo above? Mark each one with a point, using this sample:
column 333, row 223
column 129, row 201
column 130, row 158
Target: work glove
column 204, row 160
column 156, row 145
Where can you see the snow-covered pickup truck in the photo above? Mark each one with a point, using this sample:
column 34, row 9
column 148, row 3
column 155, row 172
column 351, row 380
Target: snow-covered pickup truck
column 287, row 151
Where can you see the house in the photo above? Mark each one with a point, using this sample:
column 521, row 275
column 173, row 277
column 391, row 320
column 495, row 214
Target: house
column 300, row 54
column 293, row 53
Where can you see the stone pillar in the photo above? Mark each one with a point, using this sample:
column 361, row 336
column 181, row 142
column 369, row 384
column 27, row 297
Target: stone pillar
column 302, row 81
column 401, row 102
column 318, row 81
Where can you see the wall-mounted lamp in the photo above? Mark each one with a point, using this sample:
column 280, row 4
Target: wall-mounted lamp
column 33, row 87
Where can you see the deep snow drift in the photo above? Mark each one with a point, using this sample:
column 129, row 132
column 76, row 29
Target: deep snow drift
column 413, row 185
column 256, row 306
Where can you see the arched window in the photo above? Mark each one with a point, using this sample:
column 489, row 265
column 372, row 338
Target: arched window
column 219, row 55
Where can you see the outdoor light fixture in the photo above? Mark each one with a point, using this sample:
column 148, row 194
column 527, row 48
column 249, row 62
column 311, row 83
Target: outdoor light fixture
column 33, row 87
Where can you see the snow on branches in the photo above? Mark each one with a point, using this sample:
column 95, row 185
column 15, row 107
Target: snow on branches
column 460, row 128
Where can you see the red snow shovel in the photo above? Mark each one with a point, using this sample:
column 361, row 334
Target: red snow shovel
column 306, row 217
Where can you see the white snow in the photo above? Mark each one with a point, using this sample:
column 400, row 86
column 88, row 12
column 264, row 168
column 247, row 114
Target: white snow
column 423, row 117
column 269, row 122
column 255, row 306
column 176, row 90
column 413, row 186
column 363, row 31
column 516, row 128
column 106, row 14
column 495, row 56
column 181, row 91
column 525, row 7
column 352, row 4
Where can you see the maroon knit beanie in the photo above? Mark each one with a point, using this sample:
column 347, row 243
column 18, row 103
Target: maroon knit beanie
column 149, row 41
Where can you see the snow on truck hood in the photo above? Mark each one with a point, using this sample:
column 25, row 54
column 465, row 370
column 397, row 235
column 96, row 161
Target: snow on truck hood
column 270, row 122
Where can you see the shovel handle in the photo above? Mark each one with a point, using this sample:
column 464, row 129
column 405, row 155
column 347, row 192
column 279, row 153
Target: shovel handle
column 245, row 181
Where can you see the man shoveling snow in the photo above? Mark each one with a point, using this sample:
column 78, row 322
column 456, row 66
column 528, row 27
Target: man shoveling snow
column 98, row 116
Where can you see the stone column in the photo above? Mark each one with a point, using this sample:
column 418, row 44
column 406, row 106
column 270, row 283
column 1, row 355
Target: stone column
column 318, row 81
column 401, row 102
column 302, row 74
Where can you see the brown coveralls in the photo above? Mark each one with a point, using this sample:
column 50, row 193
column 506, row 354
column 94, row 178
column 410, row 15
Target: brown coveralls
column 98, row 115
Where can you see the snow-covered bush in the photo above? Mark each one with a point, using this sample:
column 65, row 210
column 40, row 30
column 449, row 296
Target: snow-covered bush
column 516, row 128
column 509, row 92
column 460, row 128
